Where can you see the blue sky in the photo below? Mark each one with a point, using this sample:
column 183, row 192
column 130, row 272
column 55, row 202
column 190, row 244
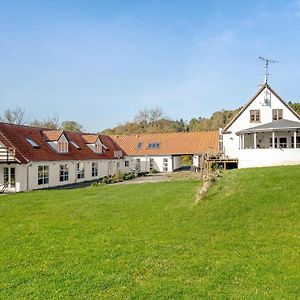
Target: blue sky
column 99, row 62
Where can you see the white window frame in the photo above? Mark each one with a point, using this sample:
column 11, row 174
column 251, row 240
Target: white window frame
column 43, row 174
column 95, row 169
column 63, row 172
column 80, row 170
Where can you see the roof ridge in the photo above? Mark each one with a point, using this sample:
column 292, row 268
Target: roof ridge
column 161, row 133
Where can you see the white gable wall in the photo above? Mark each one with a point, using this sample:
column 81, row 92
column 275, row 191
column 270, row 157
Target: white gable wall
column 231, row 140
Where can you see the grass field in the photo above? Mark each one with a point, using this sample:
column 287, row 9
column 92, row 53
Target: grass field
column 151, row 241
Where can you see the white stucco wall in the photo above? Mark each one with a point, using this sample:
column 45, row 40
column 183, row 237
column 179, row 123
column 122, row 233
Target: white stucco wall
column 231, row 140
column 158, row 163
column 105, row 168
column 250, row 158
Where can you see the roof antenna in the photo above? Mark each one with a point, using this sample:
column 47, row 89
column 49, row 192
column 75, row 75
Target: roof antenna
column 267, row 62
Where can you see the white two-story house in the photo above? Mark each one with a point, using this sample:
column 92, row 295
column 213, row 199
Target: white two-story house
column 266, row 132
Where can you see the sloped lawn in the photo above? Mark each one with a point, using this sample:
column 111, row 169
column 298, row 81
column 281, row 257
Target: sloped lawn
column 151, row 241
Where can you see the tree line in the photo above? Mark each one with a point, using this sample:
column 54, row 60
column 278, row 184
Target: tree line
column 18, row 116
column 145, row 121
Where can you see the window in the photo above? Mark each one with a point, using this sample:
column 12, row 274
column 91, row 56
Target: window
column 279, row 142
column 151, row 163
column 277, row 114
column 62, row 147
column 10, row 176
column 255, row 116
column 75, row 145
column 139, row 145
column 32, row 143
column 153, row 145
column 43, row 175
column 63, row 173
column 98, row 148
column 94, row 169
column 165, row 165
column 283, row 142
column 297, row 142
column 138, row 163
column 80, row 170
column 126, row 163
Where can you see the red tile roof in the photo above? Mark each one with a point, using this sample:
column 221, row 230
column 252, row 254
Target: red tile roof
column 52, row 135
column 90, row 138
column 14, row 136
column 170, row 143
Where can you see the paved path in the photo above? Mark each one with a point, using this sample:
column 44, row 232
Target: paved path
column 149, row 178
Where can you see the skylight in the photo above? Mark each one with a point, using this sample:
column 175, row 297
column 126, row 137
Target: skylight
column 32, row 143
column 104, row 146
column 139, row 145
column 153, row 145
column 75, row 145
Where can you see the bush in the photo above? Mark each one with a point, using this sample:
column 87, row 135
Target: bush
column 118, row 177
column 153, row 171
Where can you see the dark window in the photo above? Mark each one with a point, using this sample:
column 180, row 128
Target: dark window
column 80, row 170
column 153, row 145
column 94, row 169
column 277, row 114
column 255, row 116
column 126, row 163
column 297, row 142
column 43, row 175
column 63, row 173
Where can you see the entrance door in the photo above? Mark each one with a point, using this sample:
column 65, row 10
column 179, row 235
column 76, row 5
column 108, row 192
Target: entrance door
column 10, row 177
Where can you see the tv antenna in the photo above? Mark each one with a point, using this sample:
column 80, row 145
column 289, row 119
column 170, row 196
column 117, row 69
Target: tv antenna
column 267, row 61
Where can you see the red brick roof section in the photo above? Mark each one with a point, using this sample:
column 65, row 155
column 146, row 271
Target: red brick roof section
column 14, row 136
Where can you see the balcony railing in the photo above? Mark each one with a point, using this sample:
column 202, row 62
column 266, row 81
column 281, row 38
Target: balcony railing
column 7, row 155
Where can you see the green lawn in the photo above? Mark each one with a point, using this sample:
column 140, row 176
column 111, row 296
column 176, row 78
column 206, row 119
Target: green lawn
column 151, row 240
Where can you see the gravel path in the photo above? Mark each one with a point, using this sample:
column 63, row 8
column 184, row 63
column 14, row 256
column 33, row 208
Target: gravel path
column 149, row 178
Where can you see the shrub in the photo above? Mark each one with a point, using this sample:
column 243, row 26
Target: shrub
column 118, row 177
column 153, row 171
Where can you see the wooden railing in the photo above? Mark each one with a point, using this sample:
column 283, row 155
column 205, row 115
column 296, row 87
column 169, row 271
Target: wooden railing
column 7, row 155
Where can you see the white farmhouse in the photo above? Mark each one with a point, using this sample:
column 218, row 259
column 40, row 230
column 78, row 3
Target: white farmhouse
column 266, row 132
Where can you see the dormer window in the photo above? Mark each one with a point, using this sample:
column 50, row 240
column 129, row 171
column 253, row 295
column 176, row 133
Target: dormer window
column 57, row 140
column 94, row 143
column 98, row 148
column 62, row 146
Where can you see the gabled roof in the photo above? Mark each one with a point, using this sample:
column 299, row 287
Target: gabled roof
column 52, row 135
column 90, row 138
column 253, row 98
column 170, row 143
column 14, row 137
column 280, row 125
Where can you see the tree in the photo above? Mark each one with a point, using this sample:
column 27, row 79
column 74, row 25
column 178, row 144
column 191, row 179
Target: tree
column 71, row 126
column 295, row 106
column 14, row 116
column 149, row 116
column 49, row 123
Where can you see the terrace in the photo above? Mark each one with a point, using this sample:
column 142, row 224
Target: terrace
column 270, row 144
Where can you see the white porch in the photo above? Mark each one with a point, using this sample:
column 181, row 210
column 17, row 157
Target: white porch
column 272, row 144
